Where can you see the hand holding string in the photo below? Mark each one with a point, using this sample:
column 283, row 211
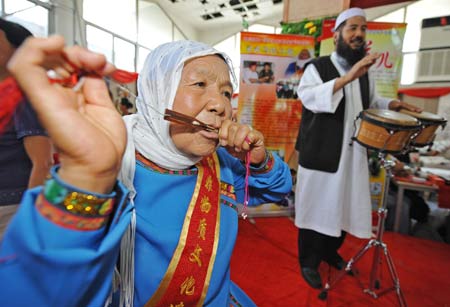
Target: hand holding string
column 84, row 126
column 240, row 139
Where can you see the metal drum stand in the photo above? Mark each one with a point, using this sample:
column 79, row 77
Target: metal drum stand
column 380, row 248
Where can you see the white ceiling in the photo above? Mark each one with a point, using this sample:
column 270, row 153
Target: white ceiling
column 211, row 21
column 213, row 14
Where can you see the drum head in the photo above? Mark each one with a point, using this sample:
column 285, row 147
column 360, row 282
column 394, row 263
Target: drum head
column 391, row 117
column 427, row 116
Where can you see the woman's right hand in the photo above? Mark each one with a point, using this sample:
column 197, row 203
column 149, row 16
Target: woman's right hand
column 86, row 129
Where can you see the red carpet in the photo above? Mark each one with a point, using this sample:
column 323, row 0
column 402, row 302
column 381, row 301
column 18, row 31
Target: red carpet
column 265, row 266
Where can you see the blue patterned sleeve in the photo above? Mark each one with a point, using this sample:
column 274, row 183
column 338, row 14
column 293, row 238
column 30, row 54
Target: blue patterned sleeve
column 50, row 258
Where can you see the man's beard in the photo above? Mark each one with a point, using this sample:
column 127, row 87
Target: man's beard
column 352, row 56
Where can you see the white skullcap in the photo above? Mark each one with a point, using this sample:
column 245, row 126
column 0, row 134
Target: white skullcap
column 352, row 12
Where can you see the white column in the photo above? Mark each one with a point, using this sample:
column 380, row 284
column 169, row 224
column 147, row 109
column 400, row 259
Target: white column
column 67, row 21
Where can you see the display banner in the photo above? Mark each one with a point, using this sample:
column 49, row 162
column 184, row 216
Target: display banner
column 384, row 38
column 271, row 68
column 270, row 73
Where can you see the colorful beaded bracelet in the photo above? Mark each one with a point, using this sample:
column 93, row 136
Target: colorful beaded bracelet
column 76, row 201
column 264, row 167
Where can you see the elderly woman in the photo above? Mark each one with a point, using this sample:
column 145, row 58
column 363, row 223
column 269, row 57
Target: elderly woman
column 178, row 225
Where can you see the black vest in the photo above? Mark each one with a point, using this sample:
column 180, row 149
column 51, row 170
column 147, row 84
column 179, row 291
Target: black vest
column 320, row 137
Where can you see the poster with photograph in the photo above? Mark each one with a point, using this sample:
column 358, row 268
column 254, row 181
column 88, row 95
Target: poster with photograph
column 271, row 68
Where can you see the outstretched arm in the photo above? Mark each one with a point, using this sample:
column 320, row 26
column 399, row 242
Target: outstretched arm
column 61, row 247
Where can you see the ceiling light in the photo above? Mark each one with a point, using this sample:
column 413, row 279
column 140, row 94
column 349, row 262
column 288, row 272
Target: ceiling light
column 234, row 2
column 207, row 17
column 277, row 1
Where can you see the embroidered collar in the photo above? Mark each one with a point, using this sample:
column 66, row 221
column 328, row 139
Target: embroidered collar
column 156, row 168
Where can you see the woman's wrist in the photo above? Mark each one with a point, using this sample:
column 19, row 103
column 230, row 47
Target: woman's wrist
column 82, row 179
column 75, row 200
column 72, row 208
column 264, row 166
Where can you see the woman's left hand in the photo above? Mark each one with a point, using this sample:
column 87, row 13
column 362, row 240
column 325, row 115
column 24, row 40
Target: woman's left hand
column 239, row 139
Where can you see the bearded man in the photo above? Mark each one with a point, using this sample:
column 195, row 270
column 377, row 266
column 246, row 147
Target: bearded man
column 332, row 191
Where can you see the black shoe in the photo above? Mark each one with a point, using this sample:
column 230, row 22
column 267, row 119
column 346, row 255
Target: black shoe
column 336, row 261
column 312, row 277
column 339, row 264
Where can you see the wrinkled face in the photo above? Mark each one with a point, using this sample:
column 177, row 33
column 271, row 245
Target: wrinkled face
column 205, row 93
column 6, row 50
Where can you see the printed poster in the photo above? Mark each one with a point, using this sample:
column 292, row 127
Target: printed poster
column 271, row 68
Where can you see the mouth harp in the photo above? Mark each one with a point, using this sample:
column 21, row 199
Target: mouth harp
column 183, row 119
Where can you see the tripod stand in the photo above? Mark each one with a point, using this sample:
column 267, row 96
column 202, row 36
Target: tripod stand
column 380, row 246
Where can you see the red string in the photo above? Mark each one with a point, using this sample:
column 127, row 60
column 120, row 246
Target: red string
column 246, row 192
column 123, row 76
column 11, row 94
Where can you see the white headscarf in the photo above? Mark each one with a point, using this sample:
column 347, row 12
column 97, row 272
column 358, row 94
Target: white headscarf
column 148, row 132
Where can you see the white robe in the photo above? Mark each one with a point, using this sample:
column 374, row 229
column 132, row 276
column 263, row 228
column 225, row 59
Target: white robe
column 331, row 202
column 249, row 74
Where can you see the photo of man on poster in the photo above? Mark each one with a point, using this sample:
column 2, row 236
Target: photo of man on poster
column 296, row 68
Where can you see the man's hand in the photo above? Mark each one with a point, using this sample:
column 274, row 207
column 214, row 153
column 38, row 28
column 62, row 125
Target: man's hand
column 397, row 105
column 362, row 67
column 359, row 69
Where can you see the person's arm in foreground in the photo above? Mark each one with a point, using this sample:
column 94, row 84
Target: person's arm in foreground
column 54, row 253
column 39, row 150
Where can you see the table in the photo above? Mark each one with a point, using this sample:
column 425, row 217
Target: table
column 406, row 185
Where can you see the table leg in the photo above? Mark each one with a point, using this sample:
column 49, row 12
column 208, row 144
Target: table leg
column 398, row 208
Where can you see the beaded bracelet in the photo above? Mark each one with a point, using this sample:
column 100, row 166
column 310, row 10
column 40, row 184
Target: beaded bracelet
column 76, row 201
column 265, row 166
column 73, row 208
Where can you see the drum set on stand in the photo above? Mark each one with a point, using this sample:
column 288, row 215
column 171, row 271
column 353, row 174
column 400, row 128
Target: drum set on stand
column 387, row 132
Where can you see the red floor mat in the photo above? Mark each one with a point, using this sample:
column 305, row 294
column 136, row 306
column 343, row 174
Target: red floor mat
column 265, row 266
